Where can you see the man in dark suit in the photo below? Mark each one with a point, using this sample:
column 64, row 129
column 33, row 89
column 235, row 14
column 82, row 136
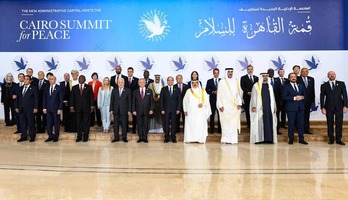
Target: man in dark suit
column 81, row 103
column 52, row 107
column 147, row 78
column 120, row 107
column 281, row 105
column 333, row 103
column 170, row 104
column 182, row 87
column 65, row 87
column 277, row 87
column 40, row 116
column 212, row 88
column 34, row 80
column 26, row 104
column 132, row 83
column 17, row 92
column 308, row 83
column 142, row 107
column 246, row 83
column 294, row 94
column 114, row 79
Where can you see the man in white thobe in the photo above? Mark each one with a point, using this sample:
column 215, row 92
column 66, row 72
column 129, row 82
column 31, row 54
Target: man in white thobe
column 197, row 111
column 263, row 112
column 229, row 103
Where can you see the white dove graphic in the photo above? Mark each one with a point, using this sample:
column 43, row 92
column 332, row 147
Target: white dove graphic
column 154, row 27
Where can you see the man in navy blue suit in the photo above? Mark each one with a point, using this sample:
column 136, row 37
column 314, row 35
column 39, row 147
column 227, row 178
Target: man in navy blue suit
column 52, row 107
column 26, row 104
column 212, row 88
column 294, row 94
column 170, row 104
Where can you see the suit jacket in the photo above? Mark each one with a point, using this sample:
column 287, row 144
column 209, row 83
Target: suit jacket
column 209, row 88
column 65, row 90
column 170, row 104
column 333, row 100
column 97, row 85
column 247, row 85
column 288, row 95
column 133, row 86
column 142, row 106
column 310, row 91
column 45, row 83
column 183, row 92
column 84, row 102
column 121, row 105
column 28, row 102
column 113, row 79
column 34, row 81
column 148, row 82
column 7, row 92
column 53, row 102
column 278, row 89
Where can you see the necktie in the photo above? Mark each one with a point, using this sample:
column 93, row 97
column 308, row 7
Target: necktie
column 216, row 83
column 272, row 82
column 81, row 89
column 305, row 81
column 130, row 81
column 25, row 90
column 296, row 89
column 40, row 84
column 120, row 92
column 180, row 87
column 142, row 93
column 282, row 81
column 117, row 79
column 333, row 85
column 51, row 90
column 170, row 91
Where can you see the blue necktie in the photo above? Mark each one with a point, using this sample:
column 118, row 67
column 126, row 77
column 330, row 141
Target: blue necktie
column 333, row 86
column 216, row 84
column 170, row 91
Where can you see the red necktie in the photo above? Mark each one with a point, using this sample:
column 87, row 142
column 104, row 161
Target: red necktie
column 142, row 93
column 81, row 89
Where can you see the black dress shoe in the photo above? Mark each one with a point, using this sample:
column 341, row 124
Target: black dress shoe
column 55, row 140
column 330, row 142
column 134, row 132
column 303, row 142
column 279, row 133
column 17, row 132
column 21, row 140
column 284, row 126
column 340, row 143
column 146, row 141
column 85, row 140
column 139, row 141
column 166, row 141
column 125, row 140
column 32, row 140
column 174, row 141
column 78, row 140
column 49, row 140
column 307, row 132
column 115, row 140
column 291, row 142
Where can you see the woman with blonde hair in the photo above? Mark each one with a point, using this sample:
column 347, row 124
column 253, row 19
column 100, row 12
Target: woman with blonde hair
column 7, row 99
column 104, row 97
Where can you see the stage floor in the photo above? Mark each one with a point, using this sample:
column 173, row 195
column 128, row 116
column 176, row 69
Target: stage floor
column 104, row 170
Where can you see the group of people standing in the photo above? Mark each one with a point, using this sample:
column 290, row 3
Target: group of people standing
column 158, row 107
